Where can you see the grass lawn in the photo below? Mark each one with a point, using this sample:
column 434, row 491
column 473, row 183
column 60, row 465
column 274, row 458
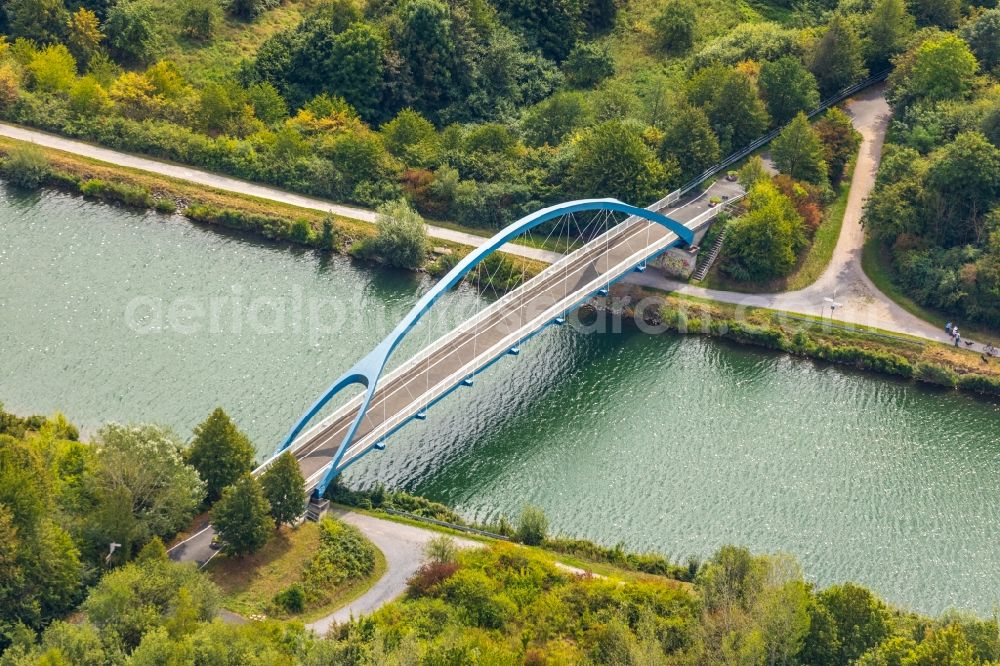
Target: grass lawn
column 249, row 584
column 875, row 264
column 234, row 39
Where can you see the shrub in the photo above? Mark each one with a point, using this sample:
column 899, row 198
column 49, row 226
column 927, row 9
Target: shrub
column 588, row 65
column 200, row 18
column 292, row 599
column 441, row 549
column 866, row 359
column 932, row 373
column 26, row 166
column 344, row 555
column 402, row 236
column 980, row 384
column 271, row 227
column 166, row 206
column 532, row 526
column 130, row 195
column 429, row 576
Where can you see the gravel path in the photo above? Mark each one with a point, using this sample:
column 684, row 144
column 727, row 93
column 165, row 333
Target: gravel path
column 243, row 187
column 860, row 300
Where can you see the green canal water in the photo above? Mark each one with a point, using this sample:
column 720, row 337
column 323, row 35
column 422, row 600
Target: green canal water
column 666, row 443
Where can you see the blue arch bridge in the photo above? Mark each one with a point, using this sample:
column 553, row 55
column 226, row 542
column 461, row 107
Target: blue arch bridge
column 388, row 400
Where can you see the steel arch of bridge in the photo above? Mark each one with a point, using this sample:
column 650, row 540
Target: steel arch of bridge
column 369, row 369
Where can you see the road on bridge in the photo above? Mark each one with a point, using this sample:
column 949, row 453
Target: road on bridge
column 437, row 369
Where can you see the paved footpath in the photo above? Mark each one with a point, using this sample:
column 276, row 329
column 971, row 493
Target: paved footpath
column 861, row 301
column 229, row 184
column 403, row 546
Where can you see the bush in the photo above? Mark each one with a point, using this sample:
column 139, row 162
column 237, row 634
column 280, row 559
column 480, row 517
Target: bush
column 130, row 195
column 276, row 228
column 26, row 166
column 532, row 526
column 292, row 599
column 200, row 18
column 588, row 65
column 441, row 549
column 344, row 556
column 165, row 206
column 932, row 373
column 866, row 359
column 980, row 384
column 429, row 576
column 402, row 236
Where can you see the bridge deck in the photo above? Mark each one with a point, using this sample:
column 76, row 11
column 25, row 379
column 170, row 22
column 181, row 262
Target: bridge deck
column 438, row 368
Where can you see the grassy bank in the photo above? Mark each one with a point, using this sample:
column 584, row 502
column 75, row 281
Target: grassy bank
column 264, row 218
column 872, row 350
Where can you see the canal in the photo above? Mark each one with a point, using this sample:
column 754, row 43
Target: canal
column 664, row 443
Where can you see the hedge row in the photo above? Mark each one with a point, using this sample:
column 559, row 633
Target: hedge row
column 276, row 228
column 858, row 357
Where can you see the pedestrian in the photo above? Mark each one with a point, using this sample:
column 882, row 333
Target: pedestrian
column 958, row 338
column 947, row 328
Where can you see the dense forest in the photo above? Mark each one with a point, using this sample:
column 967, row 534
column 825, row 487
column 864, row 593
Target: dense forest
column 65, row 600
column 935, row 210
column 476, row 111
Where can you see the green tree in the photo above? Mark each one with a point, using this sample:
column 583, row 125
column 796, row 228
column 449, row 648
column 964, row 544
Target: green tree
column 889, row 26
column 142, row 486
column 53, row 69
column 131, row 32
column 87, row 98
column 963, row 181
column 798, row 151
column 267, row 103
column 200, row 18
column 838, row 59
column 764, row 242
column 861, row 619
column 251, row 9
column 942, row 13
column 554, row 26
column 612, row 160
column 242, row 517
column 43, row 21
column 788, row 88
column 532, row 526
column 690, row 140
column 427, row 46
column 402, row 235
column 840, row 141
column 406, row 131
column 730, row 100
column 285, row 489
column 130, row 602
column 674, row 26
column 220, row 452
column 550, row 121
column 945, row 646
column 84, row 35
column 587, row 65
column 820, row 645
column 983, row 36
column 941, row 67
